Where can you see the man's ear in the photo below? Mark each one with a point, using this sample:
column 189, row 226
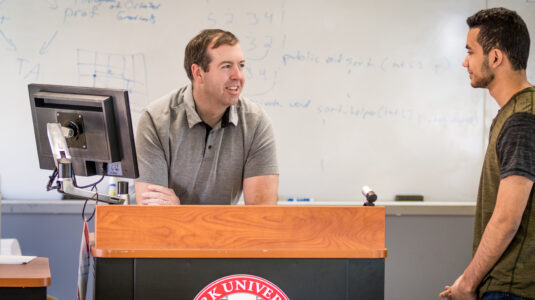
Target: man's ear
column 496, row 58
column 197, row 72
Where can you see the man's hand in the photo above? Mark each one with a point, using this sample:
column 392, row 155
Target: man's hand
column 458, row 291
column 152, row 194
column 446, row 293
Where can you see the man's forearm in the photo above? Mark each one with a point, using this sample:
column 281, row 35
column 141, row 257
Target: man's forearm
column 496, row 238
column 513, row 194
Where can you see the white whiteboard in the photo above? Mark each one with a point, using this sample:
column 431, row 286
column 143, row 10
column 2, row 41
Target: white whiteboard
column 360, row 92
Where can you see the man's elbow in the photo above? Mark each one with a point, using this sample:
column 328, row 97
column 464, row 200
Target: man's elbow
column 261, row 190
column 261, row 200
column 508, row 225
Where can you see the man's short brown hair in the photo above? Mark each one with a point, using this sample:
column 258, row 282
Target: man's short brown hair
column 197, row 49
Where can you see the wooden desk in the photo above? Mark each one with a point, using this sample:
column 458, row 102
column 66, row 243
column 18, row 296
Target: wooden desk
column 28, row 281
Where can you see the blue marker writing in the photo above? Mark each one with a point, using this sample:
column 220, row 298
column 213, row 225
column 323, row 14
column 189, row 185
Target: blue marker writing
column 300, row 199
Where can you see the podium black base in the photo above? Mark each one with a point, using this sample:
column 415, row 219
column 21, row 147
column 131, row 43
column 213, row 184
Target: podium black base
column 184, row 278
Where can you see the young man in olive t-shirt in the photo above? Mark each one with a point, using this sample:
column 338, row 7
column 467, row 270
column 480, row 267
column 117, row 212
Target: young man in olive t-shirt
column 503, row 263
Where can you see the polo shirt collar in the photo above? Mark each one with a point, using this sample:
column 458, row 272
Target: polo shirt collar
column 229, row 117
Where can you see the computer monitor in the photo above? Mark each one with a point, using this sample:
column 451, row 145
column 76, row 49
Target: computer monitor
column 100, row 138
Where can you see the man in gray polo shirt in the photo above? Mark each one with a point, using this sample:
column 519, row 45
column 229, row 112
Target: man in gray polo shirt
column 204, row 143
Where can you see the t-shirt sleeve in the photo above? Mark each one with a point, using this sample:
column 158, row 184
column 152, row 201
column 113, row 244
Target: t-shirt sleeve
column 262, row 157
column 516, row 146
column 151, row 158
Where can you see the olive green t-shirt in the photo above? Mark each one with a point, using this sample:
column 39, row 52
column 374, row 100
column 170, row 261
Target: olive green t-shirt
column 514, row 272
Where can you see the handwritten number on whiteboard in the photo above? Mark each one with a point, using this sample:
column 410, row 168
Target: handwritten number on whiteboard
column 249, row 73
column 211, row 19
column 229, row 18
column 269, row 17
column 253, row 18
column 251, row 43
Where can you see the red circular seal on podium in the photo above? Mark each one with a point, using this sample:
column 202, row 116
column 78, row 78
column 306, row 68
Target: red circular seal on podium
column 242, row 287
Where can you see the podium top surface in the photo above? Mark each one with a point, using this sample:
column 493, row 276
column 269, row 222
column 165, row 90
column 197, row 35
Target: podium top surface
column 240, row 232
column 36, row 273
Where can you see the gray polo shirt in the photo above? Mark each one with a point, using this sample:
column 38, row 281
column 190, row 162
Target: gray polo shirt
column 174, row 150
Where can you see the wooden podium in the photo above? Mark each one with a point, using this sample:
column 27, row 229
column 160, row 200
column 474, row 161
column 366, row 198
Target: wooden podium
column 173, row 252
